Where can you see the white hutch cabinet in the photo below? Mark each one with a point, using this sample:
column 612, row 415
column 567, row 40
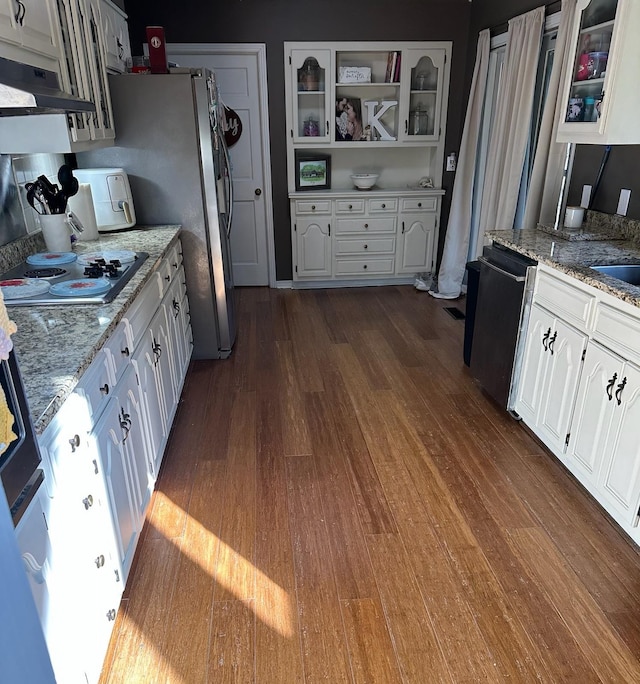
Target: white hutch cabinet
column 601, row 93
column 398, row 92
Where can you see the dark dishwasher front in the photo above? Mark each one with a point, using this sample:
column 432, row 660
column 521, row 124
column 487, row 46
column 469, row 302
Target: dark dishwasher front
column 501, row 288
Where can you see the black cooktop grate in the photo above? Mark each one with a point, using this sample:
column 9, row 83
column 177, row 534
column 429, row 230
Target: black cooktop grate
column 49, row 272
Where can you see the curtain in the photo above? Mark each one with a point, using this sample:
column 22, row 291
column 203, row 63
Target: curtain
column 548, row 165
column 508, row 145
column 456, row 241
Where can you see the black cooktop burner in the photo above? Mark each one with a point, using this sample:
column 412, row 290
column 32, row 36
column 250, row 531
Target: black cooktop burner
column 44, row 272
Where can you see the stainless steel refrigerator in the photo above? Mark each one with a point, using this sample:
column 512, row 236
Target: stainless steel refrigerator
column 169, row 139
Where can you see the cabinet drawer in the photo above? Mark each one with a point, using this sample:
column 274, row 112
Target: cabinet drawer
column 313, row 206
column 366, row 225
column 377, row 205
column 118, row 348
column 349, row 206
column 97, row 383
column 365, row 246
column 564, row 299
column 618, row 330
column 364, row 267
column 420, row 204
column 142, row 310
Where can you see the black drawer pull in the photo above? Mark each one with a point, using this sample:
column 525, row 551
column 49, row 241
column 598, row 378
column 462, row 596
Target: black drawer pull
column 366, row 246
column 621, row 386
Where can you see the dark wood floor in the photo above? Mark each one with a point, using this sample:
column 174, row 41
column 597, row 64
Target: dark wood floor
column 339, row 502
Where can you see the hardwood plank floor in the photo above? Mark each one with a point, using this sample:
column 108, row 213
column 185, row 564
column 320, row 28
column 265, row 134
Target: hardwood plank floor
column 340, row 502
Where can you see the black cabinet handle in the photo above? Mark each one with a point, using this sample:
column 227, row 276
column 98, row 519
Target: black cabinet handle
column 621, row 386
column 609, row 388
column 125, row 351
column 552, row 340
column 545, row 337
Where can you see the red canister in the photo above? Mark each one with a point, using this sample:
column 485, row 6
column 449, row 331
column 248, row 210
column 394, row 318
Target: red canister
column 157, row 50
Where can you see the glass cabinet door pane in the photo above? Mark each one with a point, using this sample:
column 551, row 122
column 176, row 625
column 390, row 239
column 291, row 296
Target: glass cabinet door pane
column 590, row 64
column 423, row 97
column 310, row 72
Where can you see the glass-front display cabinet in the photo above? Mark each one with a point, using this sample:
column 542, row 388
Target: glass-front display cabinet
column 309, row 76
column 601, row 96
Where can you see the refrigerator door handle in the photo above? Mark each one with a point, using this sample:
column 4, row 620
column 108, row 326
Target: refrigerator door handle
column 227, row 159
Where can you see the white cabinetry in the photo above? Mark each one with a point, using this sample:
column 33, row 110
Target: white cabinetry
column 116, row 36
column 376, row 107
column 579, row 390
column 601, row 93
column 27, row 32
column 81, row 62
column 386, row 237
column 101, row 456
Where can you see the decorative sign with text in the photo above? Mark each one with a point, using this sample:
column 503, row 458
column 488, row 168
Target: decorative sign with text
column 233, row 127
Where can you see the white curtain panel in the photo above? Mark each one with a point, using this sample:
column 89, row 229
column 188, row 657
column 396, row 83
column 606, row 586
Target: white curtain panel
column 456, row 243
column 513, row 119
column 548, row 165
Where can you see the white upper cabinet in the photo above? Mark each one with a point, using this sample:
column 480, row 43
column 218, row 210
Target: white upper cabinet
column 601, row 93
column 309, row 80
column 116, row 35
column 422, row 90
column 28, row 33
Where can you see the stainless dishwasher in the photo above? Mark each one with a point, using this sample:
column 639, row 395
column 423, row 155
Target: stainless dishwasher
column 501, row 312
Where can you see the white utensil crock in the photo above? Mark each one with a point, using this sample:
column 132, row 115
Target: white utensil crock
column 56, row 232
column 573, row 217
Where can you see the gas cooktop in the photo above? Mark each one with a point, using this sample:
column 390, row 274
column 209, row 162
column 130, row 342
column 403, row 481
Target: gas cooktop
column 51, row 278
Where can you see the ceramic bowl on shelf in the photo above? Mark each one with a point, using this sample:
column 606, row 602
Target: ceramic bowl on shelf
column 364, row 181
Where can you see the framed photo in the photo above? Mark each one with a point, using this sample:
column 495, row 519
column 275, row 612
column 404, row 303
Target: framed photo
column 313, row 171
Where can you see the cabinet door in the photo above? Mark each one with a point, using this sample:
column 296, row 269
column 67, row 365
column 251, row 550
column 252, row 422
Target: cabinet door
column 109, row 435
column 534, row 363
column 98, row 66
column 619, row 483
column 421, row 93
column 71, row 73
column 116, row 36
column 593, row 413
column 135, row 442
column 37, row 21
column 144, row 362
column 564, row 350
column 9, row 27
column 605, row 52
column 415, row 245
column 310, row 90
column 162, row 350
column 313, row 247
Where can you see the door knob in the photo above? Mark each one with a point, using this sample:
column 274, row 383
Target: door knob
column 258, row 192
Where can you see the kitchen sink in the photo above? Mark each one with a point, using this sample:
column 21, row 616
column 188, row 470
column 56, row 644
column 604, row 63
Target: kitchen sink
column 629, row 273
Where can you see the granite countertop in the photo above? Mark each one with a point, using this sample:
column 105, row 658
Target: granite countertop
column 575, row 256
column 56, row 344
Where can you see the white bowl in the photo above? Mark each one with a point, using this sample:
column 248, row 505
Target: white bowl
column 364, row 181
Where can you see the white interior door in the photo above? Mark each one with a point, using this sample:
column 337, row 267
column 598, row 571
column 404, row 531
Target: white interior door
column 241, row 77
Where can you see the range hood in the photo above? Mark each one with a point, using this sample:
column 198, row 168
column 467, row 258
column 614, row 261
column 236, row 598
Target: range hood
column 26, row 89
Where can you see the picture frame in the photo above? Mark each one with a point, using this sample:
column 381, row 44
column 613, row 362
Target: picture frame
column 312, row 171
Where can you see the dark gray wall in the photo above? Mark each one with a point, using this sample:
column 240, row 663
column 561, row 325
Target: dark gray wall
column 272, row 23
column 621, row 170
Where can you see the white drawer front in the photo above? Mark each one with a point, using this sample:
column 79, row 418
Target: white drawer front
column 563, row 299
column 141, row 312
column 97, row 383
column 377, row 205
column 364, row 267
column 349, row 206
column 618, row 330
column 367, row 225
column 313, row 206
column 118, row 347
column 420, row 204
column 365, row 246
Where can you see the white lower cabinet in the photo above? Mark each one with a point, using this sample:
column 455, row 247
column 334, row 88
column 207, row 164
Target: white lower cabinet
column 579, row 390
column 550, row 373
column 346, row 237
column 101, row 456
column 604, row 450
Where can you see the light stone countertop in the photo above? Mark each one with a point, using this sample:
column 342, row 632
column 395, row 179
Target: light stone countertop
column 56, row 344
column 574, row 257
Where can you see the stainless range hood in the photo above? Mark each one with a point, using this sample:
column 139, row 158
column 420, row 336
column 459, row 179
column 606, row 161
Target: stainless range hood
column 26, row 89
